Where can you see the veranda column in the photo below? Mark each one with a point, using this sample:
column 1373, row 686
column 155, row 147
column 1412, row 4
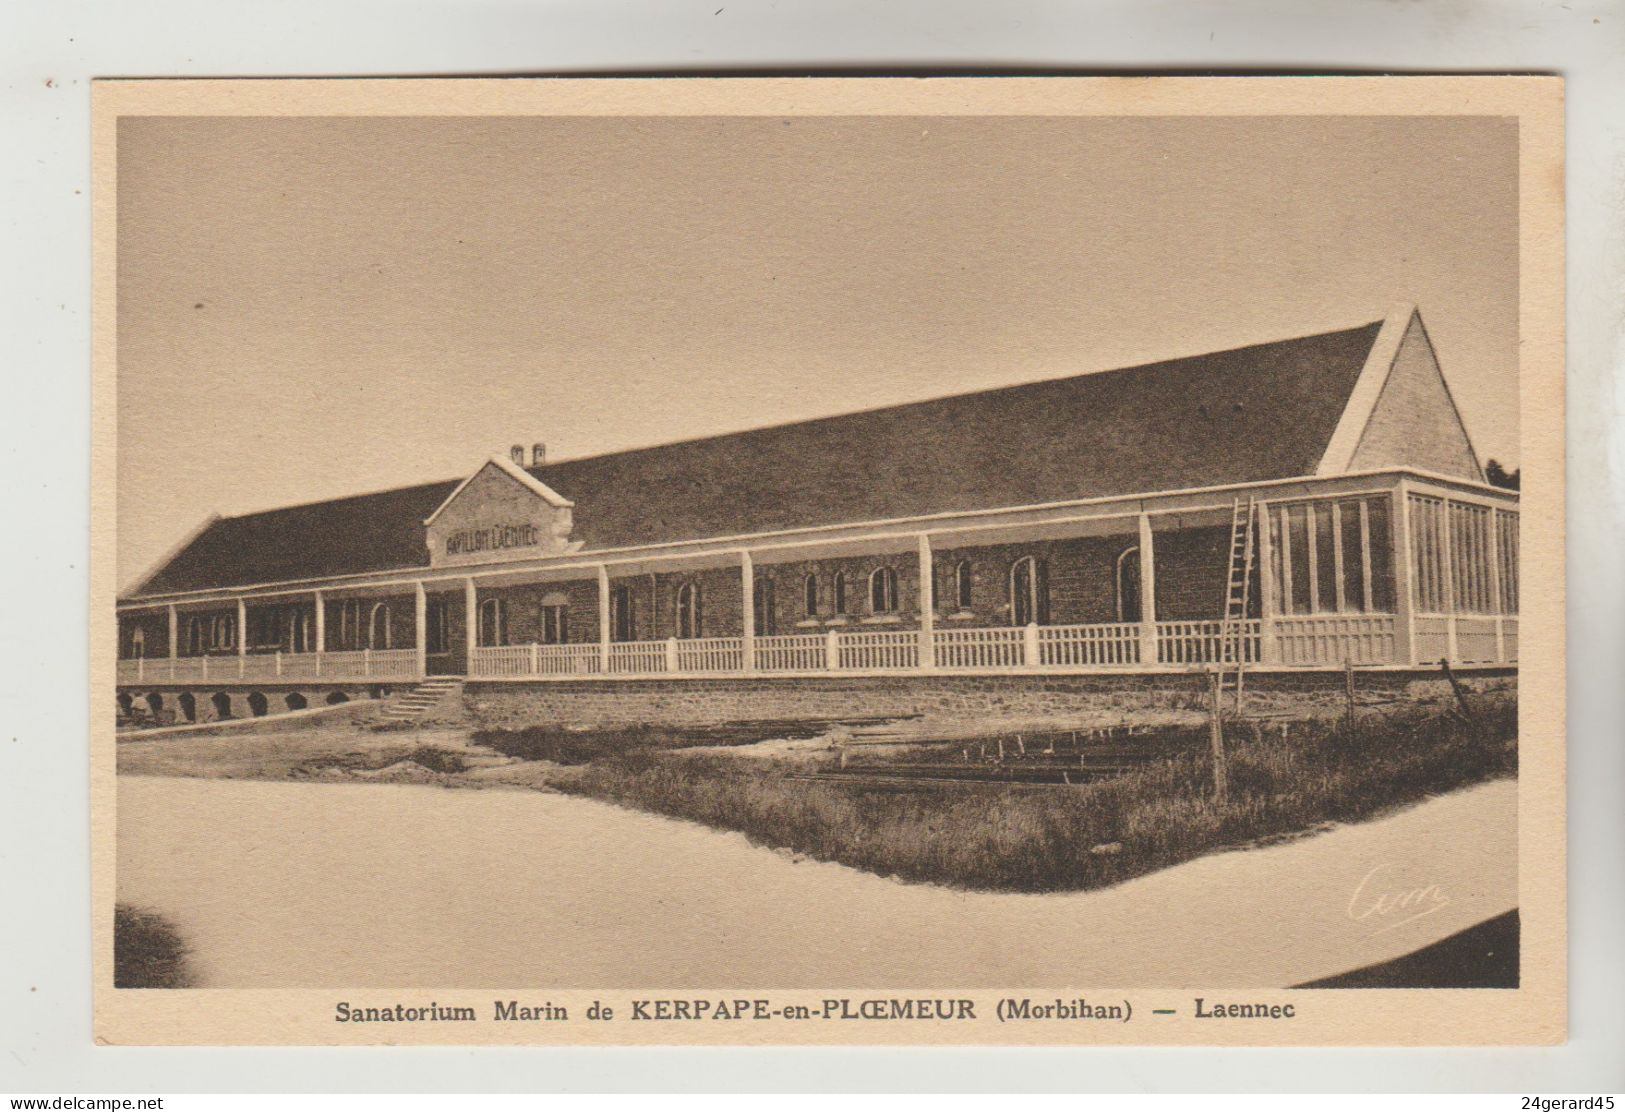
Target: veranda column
column 928, row 606
column 420, row 627
column 1404, row 577
column 603, row 618
column 174, row 635
column 1268, row 651
column 747, row 620
column 471, row 624
column 1148, row 592
column 242, row 637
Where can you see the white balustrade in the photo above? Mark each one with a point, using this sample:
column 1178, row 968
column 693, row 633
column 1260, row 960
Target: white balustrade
column 1335, row 638
column 637, row 657
column 879, row 650
column 798, row 652
column 711, row 654
column 1201, row 642
column 980, row 648
column 1105, row 644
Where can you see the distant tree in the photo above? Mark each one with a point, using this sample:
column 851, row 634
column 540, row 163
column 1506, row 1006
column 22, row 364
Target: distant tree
column 1501, row 477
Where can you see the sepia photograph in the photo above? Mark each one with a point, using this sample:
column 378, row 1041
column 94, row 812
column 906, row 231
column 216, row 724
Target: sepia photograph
column 1030, row 560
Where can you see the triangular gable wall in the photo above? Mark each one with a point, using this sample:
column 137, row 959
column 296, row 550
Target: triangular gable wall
column 1415, row 422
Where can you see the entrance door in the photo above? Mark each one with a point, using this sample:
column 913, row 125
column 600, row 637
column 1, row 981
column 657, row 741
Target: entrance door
column 443, row 636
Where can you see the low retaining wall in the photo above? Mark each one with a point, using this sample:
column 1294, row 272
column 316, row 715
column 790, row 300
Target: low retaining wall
column 162, row 703
column 515, row 704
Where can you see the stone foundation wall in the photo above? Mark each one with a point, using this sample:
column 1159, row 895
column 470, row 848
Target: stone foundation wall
column 180, row 704
column 699, row 701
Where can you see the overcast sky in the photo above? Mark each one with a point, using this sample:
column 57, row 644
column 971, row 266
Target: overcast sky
column 316, row 307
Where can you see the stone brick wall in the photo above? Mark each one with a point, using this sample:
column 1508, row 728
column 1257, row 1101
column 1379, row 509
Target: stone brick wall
column 604, row 703
column 180, row 704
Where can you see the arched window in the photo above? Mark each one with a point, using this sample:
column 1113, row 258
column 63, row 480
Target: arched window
column 224, row 632
column 690, row 621
column 809, row 596
column 765, row 621
column 378, row 629
column 962, row 585
column 1029, row 592
column 138, row 643
column 840, row 592
column 883, row 591
column 304, row 628
column 194, row 636
column 493, row 622
column 1128, row 584
column 621, row 625
column 352, row 625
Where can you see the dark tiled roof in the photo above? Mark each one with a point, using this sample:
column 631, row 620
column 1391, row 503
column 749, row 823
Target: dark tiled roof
column 1254, row 413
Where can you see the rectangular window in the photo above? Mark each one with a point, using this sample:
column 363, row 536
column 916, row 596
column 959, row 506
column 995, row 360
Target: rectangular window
column 1470, row 557
column 620, row 613
column 1379, row 541
column 1506, row 556
column 1332, row 557
column 1427, row 553
column 1296, row 560
column 1356, row 565
column 555, row 625
column 1325, row 552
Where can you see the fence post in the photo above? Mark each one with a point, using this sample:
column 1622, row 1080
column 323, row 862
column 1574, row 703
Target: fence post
column 1030, row 651
column 672, row 661
column 1348, row 695
column 832, row 649
column 1221, row 777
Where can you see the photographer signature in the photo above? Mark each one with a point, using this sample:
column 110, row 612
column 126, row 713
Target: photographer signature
column 1380, row 903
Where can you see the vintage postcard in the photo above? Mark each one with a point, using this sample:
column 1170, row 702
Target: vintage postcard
column 828, row 561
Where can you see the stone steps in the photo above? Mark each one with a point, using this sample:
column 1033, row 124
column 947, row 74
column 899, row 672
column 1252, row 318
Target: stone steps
column 426, row 696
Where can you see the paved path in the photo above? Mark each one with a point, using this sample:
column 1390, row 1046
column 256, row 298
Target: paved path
column 330, row 885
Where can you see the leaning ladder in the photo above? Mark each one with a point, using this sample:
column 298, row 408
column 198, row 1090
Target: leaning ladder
column 1233, row 639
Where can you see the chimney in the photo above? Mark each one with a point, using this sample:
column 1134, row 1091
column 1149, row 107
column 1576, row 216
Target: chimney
column 538, row 454
column 517, row 454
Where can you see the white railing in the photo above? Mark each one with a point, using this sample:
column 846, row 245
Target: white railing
column 567, row 660
column 795, row 652
column 1335, row 639
column 709, row 654
column 1113, row 643
column 1200, row 642
column 1298, row 640
column 359, row 664
column 980, row 648
column 881, row 650
column 637, row 657
column 505, row 660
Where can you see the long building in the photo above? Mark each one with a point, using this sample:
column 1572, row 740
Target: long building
column 1074, row 526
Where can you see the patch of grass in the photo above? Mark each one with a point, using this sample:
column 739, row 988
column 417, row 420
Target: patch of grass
column 575, row 747
column 147, row 951
column 1039, row 840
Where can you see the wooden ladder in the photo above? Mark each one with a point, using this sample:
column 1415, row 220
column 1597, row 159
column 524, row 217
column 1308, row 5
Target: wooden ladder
column 1233, row 640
